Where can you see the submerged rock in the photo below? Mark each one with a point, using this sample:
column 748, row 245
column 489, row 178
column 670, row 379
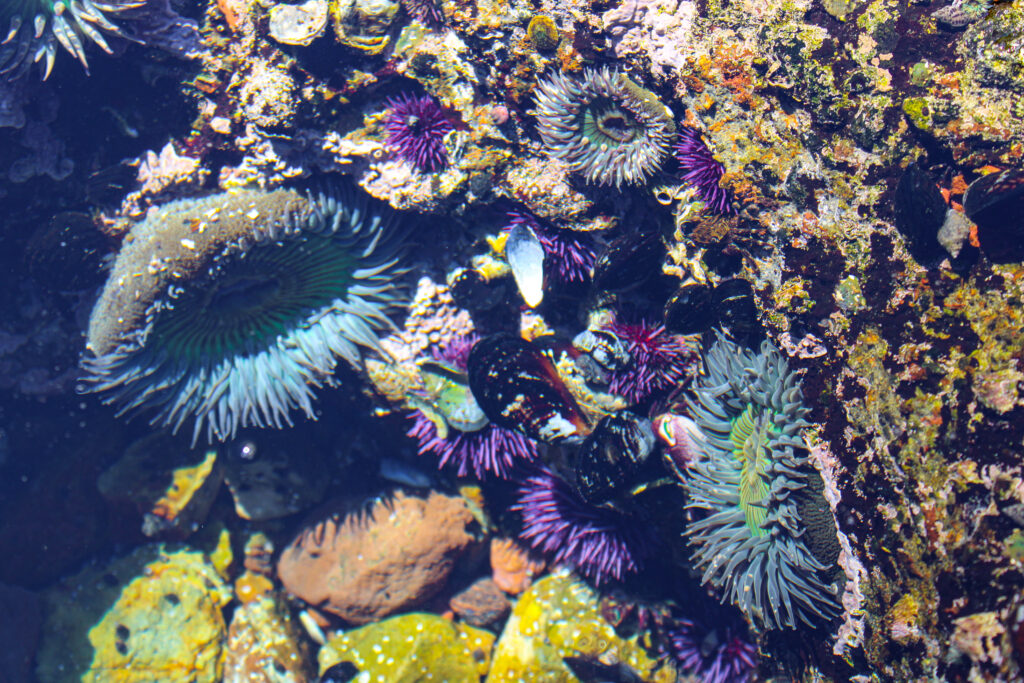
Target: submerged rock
column 154, row 615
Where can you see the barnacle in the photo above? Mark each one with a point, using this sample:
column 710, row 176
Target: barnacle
column 33, row 30
column 229, row 310
column 604, row 126
column 768, row 537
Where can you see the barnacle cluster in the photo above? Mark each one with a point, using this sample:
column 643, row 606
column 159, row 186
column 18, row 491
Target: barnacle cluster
column 767, row 540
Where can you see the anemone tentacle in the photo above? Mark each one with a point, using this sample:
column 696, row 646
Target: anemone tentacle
column 35, row 30
column 604, row 126
column 230, row 310
column 753, row 480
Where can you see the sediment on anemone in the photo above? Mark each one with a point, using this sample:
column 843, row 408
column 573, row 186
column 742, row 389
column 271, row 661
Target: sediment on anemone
column 35, row 29
column 415, row 129
column 230, row 310
column 604, row 126
column 768, row 537
column 602, row 544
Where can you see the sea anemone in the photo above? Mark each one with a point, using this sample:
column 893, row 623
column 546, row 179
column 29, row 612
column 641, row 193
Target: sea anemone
column 488, row 450
column 567, row 254
column 701, row 171
column 35, row 28
column 604, row 126
column 600, row 543
column 714, row 651
column 658, row 361
column 415, row 128
column 768, row 537
column 229, row 310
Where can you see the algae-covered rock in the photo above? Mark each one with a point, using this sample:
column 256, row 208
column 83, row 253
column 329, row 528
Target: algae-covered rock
column 412, row 647
column 559, row 617
column 265, row 645
column 154, row 615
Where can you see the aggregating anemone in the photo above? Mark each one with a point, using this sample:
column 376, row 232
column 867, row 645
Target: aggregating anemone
column 768, row 538
column 604, row 126
column 36, row 29
column 228, row 311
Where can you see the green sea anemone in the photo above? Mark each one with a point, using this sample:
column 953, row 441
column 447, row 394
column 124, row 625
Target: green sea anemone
column 33, row 30
column 229, row 310
column 768, row 539
column 604, row 126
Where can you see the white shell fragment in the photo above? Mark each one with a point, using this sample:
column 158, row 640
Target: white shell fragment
column 298, row 24
column 526, row 258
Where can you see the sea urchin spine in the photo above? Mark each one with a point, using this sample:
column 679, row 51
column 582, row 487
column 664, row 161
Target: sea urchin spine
column 702, row 171
column 229, row 310
column 604, row 126
column 415, row 128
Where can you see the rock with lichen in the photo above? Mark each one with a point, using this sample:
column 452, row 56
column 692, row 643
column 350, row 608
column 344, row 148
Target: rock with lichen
column 559, row 617
column 410, row 648
column 152, row 615
column 265, row 645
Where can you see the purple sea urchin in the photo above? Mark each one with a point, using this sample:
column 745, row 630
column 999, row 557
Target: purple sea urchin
column 600, row 543
column 487, row 450
column 658, row 361
column 34, row 29
column 567, row 254
column 228, row 311
column 415, row 128
column 768, row 538
column 702, row 171
column 604, row 126
column 714, row 652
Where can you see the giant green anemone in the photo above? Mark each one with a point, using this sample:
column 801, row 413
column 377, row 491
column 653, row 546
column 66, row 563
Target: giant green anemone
column 228, row 311
column 768, row 540
column 32, row 30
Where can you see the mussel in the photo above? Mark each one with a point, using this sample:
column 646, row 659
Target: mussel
column 517, row 386
column 629, row 261
column 919, row 210
column 995, row 203
column 601, row 352
column 690, row 310
column 616, row 459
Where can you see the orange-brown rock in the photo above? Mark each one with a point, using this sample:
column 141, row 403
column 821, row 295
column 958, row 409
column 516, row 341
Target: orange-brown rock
column 514, row 567
column 482, row 604
column 366, row 564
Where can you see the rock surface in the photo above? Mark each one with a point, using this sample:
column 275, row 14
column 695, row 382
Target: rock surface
column 412, row 648
column 154, row 615
column 363, row 566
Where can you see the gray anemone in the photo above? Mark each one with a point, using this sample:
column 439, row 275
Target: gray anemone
column 228, row 311
column 604, row 126
column 768, row 539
